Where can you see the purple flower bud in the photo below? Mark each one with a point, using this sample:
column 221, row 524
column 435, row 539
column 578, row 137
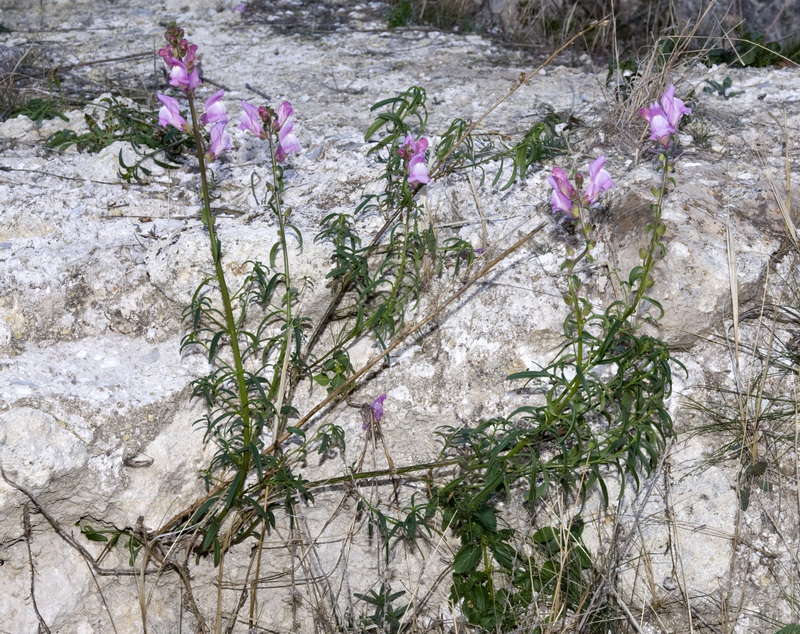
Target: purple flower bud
column 166, row 55
column 190, row 51
column 181, row 60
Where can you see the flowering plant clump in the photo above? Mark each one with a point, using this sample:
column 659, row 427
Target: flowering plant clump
column 665, row 116
column 413, row 152
column 261, row 120
column 265, row 343
column 567, row 198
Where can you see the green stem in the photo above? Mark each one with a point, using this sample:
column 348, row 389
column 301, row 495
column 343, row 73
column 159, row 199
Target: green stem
column 278, row 425
column 654, row 239
column 216, row 256
column 572, row 286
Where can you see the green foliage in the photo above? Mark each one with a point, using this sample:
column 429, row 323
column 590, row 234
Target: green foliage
column 373, row 288
column 335, row 370
column 722, row 89
column 600, row 412
column 493, row 580
column 597, row 410
column 111, row 537
column 377, row 284
column 792, row 628
column 39, row 108
column 442, row 14
column 385, row 617
column 749, row 50
column 125, row 122
column 400, row 14
column 592, row 425
column 460, row 150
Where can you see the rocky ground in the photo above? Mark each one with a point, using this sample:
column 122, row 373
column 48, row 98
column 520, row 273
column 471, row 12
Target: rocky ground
column 95, row 419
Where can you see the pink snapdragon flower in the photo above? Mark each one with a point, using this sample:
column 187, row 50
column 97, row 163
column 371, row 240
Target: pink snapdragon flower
column 563, row 191
column 181, row 57
column 215, row 114
column 660, row 129
column 414, row 154
column 215, row 109
column 665, row 116
column 674, row 108
column 184, row 78
column 285, row 111
column 599, row 181
column 259, row 121
column 288, row 143
column 220, row 141
column 170, row 114
column 251, row 121
column 566, row 197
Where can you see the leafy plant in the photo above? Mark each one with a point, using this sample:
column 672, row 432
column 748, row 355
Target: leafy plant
column 443, row 14
column 400, row 14
column 111, row 537
column 722, row 89
column 597, row 410
column 123, row 121
column 386, row 617
column 39, row 108
column 749, row 50
column 459, row 149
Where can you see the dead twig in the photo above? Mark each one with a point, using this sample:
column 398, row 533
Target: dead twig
column 26, row 523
